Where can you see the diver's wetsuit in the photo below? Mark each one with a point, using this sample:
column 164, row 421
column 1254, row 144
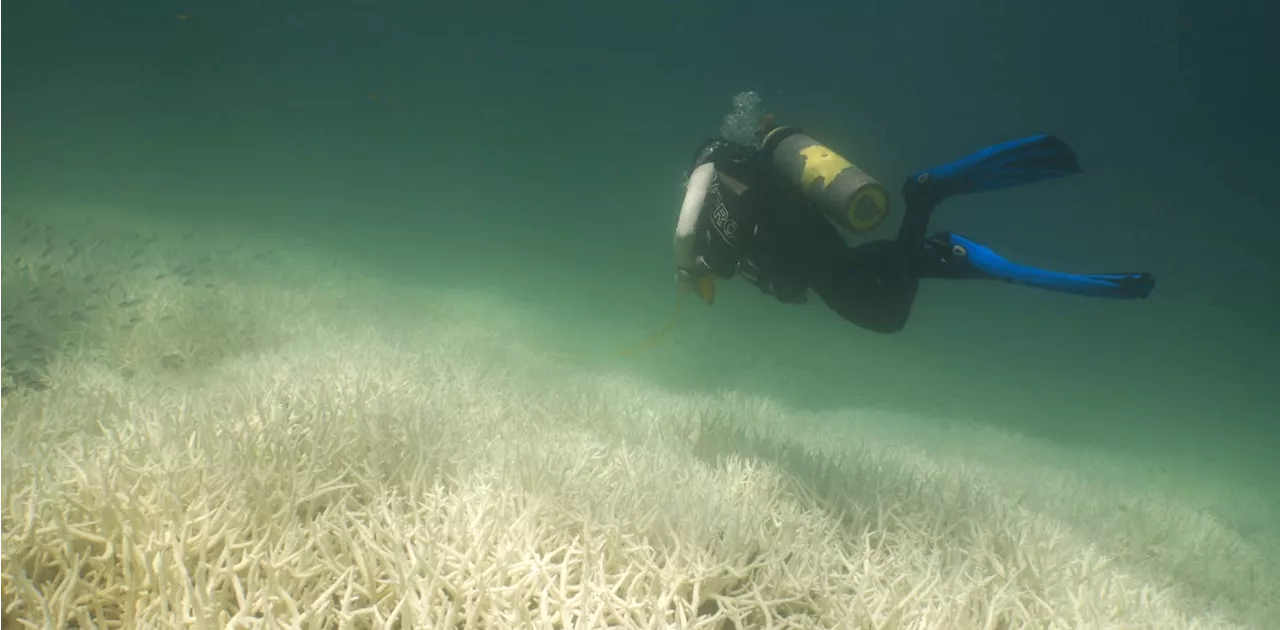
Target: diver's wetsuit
column 769, row 232
column 741, row 216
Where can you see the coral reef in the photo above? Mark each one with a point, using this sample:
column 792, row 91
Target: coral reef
column 229, row 440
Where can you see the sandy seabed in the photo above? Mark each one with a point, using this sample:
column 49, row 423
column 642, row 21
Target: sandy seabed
column 206, row 430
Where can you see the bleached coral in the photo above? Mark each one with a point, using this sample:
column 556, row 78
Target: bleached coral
column 345, row 469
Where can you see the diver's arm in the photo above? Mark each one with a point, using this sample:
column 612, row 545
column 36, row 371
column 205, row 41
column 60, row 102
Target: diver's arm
column 690, row 210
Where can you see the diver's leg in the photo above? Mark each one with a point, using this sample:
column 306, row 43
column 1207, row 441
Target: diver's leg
column 1031, row 159
column 871, row 285
column 952, row 256
column 1034, row 158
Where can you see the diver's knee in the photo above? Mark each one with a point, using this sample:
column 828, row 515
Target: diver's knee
column 887, row 326
column 883, row 322
column 880, row 313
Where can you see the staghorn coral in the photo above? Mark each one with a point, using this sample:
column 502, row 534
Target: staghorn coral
column 342, row 457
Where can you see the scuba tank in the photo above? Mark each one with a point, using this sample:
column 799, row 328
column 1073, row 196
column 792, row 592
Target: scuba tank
column 845, row 194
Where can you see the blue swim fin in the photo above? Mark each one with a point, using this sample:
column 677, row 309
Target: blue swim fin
column 959, row 257
column 1031, row 159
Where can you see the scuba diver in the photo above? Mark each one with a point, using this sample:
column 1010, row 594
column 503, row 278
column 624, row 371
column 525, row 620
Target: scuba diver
column 767, row 210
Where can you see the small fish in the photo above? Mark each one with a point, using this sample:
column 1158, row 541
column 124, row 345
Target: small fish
column 129, row 303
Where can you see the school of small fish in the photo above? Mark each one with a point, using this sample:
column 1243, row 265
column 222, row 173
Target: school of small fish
column 69, row 284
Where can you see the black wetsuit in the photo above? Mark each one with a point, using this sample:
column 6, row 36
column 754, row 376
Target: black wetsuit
column 773, row 236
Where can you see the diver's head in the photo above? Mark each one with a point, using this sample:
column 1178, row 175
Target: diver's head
column 740, row 129
column 742, row 122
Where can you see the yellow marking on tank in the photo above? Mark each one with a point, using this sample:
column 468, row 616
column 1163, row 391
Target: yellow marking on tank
column 868, row 208
column 820, row 161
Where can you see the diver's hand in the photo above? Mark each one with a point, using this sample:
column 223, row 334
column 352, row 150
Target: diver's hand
column 687, row 279
column 699, row 281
